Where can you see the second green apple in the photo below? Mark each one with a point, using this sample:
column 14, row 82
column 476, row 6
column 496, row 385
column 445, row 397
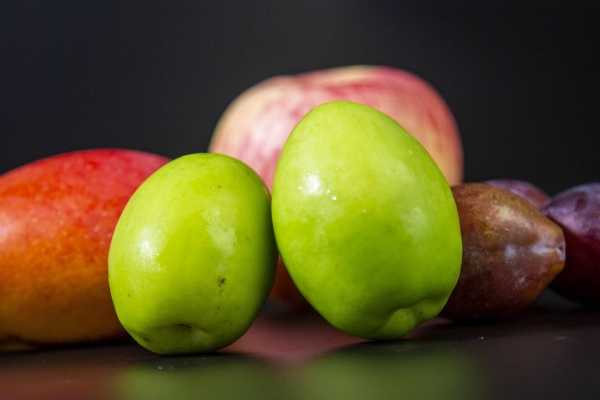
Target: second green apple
column 365, row 221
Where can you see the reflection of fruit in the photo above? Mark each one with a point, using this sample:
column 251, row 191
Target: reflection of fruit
column 526, row 190
column 75, row 374
column 511, row 252
column 218, row 377
column 577, row 211
column 57, row 216
column 393, row 371
column 193, row 255
column 365, row 221
column 256, row 125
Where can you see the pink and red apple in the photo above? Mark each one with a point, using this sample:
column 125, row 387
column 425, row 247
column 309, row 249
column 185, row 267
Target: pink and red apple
column 256, row 125
column 57, row 216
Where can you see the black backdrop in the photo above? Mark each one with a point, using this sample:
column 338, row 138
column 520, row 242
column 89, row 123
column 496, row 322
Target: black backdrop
column 522, row 82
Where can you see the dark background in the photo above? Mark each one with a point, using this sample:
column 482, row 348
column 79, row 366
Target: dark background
column 522, row 81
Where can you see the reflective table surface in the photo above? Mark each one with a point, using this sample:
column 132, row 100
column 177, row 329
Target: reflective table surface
column 550, row 352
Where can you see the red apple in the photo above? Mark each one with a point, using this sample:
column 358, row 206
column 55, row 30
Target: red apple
column 57, row 216
column 256, row 125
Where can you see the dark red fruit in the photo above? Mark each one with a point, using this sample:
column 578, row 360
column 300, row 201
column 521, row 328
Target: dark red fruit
column 511, row 252
column 577, row 211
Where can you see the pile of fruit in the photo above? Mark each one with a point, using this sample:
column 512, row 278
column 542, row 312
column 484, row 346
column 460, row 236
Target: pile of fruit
column 340, row 189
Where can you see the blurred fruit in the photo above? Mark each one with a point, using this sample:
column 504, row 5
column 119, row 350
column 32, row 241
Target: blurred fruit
column 393, row 370
column 526, row 190
column 577, row 211
column 193, row 255
column 225, row 377
column 365, row 221
column 57, row 217
column 256, row 125
column 511, row 252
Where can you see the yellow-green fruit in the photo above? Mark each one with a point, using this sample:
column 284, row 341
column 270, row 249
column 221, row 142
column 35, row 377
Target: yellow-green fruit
column 192, row 257
column 365, row 221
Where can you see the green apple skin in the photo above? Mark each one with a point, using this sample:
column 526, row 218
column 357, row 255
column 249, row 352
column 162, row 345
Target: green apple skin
column 365, row 221
column 193, row 255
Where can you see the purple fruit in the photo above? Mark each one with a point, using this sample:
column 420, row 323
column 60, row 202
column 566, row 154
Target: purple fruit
column 526, row 190
column 511, row 252
column 577, row 211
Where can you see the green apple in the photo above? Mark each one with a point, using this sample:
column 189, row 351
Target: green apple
column 365, row 221
column 193, row 256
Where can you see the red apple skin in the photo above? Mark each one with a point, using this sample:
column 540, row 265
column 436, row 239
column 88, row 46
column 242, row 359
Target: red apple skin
column 57, row 217
column 284, row 291
column 256, row 125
